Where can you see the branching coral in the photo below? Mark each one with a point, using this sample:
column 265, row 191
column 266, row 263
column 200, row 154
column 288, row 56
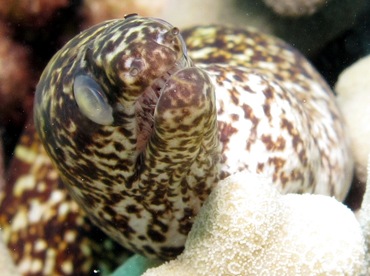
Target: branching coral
column 247, row 228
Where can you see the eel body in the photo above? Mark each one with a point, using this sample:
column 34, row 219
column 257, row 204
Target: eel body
column 45, row 230
column 141, row 123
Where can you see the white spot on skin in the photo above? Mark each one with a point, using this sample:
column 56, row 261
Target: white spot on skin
column 85, row 249
column 26, row 155
column 43, row 211
column 67, row 267
column 36, row 211
column 24, row 183
column 24, row 265
column 20, row 221
column 56, row 197
column 70, row 236
column 36, row 266
column 40, row 245
column 53, row 174
column 63, row 209
column 79, row 221
column 41, row 187
column 49, row 262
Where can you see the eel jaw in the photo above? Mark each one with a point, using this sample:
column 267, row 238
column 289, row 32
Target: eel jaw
column 147, row 102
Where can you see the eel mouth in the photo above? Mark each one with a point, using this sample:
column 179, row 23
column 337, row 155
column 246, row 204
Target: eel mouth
column 147, row 102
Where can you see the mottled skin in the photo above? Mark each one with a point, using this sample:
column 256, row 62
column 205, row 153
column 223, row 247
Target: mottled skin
column 143, row 177
column 45, row 230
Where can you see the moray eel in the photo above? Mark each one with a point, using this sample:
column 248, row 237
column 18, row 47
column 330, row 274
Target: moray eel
column 142, row 122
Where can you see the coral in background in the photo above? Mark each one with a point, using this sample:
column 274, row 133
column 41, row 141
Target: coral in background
column 364, row 219
column 2, row 167
column 15, row 80
column 96, row 11
column 295, row 8
column 353, row 89
column 307, row 33
column 35, row 12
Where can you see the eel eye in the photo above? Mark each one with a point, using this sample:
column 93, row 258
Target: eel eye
column 92, row 101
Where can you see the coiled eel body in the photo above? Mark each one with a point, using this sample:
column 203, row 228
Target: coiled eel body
column 142, row 121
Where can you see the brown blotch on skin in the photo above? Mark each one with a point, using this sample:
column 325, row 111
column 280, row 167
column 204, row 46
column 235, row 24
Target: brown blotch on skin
column 284, row 179
column 272, row 145
column 226, row 131
column 267, row 140
column 237, row 77
column 200, row 189
column 297, row 175
column 115, row 198
column 156, row 236
column 303, row 157
column 234, row 96
column 132, row 209
column 285, row 124
column 248, row 114
column 148, row 249
column 277, row 162
column 109, row 210
column 260, row 167
column 169, row 252
column 221, row 109
column 91, row 201
column 163, row 227
column 118, row 147
column 269, row 93
column 122, row 222
column 280, row 143
column 267, row 111
column 234, row 117
column 186, row 221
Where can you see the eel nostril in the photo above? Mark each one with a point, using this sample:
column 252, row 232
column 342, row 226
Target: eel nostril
column 134, row 71
column 171, row 34
column 136, row 67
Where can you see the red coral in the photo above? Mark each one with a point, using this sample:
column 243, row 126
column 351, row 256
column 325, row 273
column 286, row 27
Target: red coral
column 35, row 12
column 95, row 11
column 15, row 80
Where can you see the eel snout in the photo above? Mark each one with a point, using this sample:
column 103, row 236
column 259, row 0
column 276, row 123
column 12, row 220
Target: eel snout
column 147, row 102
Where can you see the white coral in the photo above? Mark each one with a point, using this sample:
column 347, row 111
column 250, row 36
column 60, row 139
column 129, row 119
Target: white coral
column 364, row 219
column 353, row 91
column 247, row 228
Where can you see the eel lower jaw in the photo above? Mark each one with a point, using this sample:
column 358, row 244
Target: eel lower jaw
column 147, row 102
